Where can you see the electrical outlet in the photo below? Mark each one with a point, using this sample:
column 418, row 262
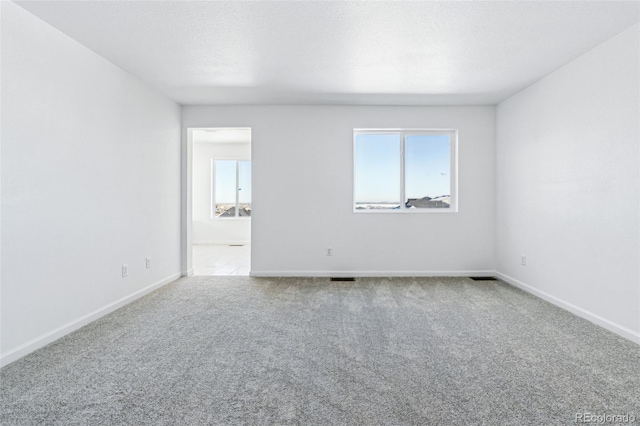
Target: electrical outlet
column 125, row 271
column 523, row 260
column 329, row 252
column 148, row 263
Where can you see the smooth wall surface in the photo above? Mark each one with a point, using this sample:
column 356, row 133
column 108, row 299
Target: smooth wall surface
column 568, row 185
column 207, row 230
column 90, row 181
column 302, row 192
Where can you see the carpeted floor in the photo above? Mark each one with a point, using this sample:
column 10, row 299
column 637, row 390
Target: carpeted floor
column 240, row 350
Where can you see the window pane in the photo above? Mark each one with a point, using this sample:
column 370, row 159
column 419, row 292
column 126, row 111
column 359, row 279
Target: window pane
column 225, row 188
column 427, row 171
column 244, row 188
column 377, row 171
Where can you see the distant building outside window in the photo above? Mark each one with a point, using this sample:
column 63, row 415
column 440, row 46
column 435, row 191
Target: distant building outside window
column 405, row 170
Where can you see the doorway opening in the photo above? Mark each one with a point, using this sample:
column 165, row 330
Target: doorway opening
column 221, row 201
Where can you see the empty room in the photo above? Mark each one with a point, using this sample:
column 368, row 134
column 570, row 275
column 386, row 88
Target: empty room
column 319, row 212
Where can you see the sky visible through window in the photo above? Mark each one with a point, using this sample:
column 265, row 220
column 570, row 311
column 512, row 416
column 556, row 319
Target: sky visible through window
column 225, row 181
column 377, row 167
column 427, row 166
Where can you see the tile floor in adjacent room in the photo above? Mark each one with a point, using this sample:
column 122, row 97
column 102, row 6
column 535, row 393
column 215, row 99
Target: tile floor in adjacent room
column 221, row 259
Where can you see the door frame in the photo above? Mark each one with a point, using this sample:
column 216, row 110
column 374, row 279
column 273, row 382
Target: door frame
column 186, row 190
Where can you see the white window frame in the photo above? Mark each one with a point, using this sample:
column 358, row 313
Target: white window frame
column 453, row 137
column 213, row 188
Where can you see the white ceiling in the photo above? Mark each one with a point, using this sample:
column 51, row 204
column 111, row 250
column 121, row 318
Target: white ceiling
column 394, row 53
column 222, row 135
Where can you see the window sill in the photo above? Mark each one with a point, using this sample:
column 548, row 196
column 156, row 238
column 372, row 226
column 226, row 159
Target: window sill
column 406, row 211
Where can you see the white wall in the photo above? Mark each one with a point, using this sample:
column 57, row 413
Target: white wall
column 90, row 181
column 205, row 229
column 302, row 192
column 568, row 186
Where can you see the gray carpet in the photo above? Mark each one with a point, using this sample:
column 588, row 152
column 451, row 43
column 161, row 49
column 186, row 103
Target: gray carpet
column 240, row 350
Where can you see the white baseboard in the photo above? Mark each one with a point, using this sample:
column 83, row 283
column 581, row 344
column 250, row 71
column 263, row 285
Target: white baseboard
column 576, row 310
column 39, row 342
column 187, row 273
column 341, row 274
column 220, row 243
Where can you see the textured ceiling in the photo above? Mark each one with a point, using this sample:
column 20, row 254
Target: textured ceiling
column 394, row 53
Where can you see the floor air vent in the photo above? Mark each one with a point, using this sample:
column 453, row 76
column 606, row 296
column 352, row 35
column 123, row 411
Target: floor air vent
column 483, row 278
column 341, row 279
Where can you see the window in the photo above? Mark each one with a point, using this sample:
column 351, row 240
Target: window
column 405, row 170
column 231, row 188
